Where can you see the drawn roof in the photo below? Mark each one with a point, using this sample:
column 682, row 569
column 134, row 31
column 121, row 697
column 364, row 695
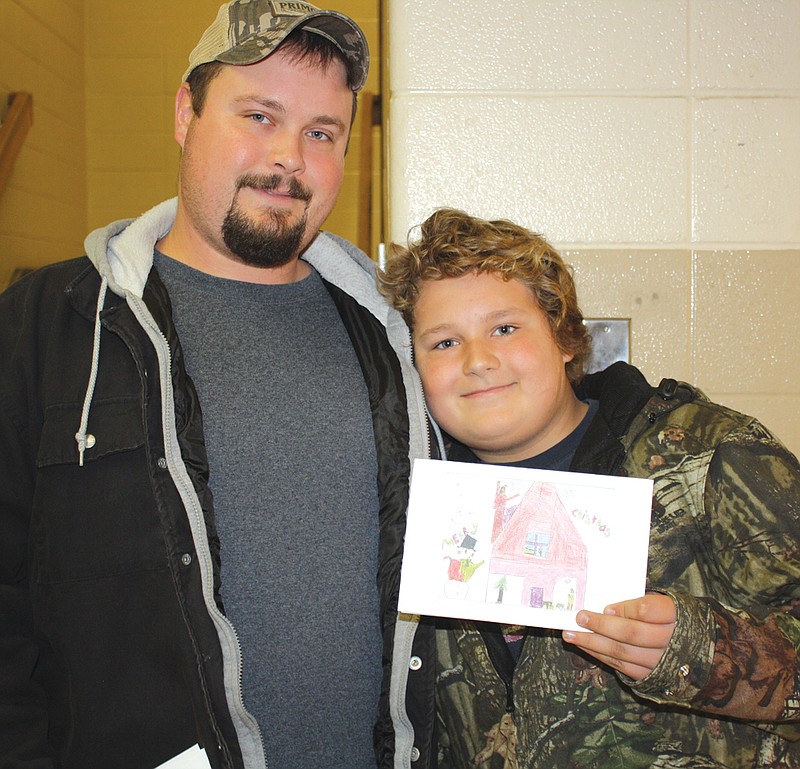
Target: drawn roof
column 542, row 511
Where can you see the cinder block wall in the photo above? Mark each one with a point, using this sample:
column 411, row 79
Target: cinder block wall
column 43, row 208
column 135, row 56
column 656, row 143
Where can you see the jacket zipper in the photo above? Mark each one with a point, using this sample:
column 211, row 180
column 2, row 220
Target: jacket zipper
column 500, row 657
column 428, row 426
column 194, row 510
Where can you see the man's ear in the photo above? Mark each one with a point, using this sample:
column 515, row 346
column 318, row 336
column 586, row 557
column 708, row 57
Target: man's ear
column 184, row 114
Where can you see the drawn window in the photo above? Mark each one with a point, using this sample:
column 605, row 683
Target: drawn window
column 536, row 544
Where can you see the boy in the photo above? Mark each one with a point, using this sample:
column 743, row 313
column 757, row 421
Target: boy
column 700, row 672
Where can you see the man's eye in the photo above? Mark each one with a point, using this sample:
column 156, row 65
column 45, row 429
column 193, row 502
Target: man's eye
column 320, row 135
column 258, row 118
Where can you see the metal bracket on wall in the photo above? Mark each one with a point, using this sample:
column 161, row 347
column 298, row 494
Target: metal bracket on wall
column 610, row 341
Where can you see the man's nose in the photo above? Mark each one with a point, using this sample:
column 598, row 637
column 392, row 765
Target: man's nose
column 285, row 152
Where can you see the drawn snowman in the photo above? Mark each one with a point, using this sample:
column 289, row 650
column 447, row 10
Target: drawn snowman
column 461, row 565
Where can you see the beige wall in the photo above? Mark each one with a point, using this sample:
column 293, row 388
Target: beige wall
column 135, row 56
column 656, row 143
column 43, row 209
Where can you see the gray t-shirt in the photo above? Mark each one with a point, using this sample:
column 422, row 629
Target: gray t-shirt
column 293, row 472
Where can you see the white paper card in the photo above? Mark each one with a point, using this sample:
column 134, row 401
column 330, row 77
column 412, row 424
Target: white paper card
column 193, row 758
column 519, row 546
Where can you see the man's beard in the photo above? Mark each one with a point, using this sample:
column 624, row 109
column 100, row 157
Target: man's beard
column 269, row 243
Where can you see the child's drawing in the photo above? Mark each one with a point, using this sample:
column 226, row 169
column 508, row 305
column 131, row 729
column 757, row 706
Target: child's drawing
column 521, row 546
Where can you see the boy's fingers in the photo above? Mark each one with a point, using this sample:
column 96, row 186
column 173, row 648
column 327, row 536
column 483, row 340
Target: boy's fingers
column 653, row 608
column 621, row 630
column 634, row 660
column 630, row 669
column 630, row 636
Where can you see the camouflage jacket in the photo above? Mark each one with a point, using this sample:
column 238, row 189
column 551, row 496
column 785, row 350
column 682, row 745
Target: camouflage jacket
column 725, row 543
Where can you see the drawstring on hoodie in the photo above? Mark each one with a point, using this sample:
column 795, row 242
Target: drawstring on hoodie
column 87, row 441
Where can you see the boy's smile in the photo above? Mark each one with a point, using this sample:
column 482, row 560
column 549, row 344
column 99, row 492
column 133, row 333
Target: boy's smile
column 493, row 374
column 486, row 391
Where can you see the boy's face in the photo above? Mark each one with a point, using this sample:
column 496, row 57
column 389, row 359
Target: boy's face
column 494, row 377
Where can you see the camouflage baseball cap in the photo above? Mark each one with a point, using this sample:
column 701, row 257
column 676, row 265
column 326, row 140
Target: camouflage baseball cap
column 247, row 31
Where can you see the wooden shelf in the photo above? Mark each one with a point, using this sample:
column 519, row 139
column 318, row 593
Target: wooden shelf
column 13, row 131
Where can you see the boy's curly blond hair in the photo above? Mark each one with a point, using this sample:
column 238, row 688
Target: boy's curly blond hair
column 452, row 243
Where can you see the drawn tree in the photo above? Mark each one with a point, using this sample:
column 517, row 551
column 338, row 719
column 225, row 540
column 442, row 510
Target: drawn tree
column 501, row 586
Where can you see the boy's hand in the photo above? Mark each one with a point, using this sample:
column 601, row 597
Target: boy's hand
column 629, row 636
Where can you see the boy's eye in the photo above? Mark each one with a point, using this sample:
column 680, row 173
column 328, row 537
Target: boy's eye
column 445, row 344
column 258, row 118
column 504, row 330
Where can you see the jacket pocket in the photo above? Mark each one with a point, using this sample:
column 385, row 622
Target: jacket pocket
column 115, row 424
column 101, row 519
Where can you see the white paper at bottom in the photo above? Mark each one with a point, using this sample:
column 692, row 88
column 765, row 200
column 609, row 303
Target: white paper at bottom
column 193, row 758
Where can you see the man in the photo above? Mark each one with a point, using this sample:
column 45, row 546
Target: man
column 218, row 345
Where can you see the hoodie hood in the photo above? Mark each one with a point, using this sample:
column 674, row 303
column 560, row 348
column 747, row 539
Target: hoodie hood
column 339, row 262
column 122, row 252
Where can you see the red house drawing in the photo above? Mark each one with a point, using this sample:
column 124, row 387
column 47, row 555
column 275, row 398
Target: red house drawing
column 540, row 544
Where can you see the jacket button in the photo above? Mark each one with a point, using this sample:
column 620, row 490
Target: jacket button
column 415, row 663
column 415, row 754
column 162, row 463
column 186, row 559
